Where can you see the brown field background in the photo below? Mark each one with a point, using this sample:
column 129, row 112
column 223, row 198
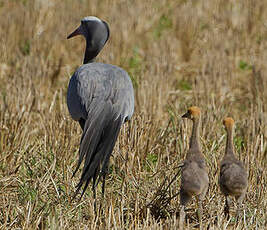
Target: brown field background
column 209, row 53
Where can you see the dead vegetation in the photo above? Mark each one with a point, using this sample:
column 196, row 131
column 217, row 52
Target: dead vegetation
column 179, row 53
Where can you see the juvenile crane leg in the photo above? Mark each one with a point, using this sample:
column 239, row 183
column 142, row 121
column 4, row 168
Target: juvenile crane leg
column 239, row 205
column 227, row 206
column 199, row 211
column 182, row 217
column 184, row 199
column 200, row 199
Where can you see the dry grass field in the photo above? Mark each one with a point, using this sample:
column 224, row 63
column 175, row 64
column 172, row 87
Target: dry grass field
column 209, row 53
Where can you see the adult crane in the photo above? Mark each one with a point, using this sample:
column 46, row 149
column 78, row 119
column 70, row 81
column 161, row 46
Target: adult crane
column 101, row 98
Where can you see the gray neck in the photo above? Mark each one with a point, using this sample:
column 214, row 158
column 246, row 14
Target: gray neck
column 89, row 55
column 194, row 140
column 229, row 143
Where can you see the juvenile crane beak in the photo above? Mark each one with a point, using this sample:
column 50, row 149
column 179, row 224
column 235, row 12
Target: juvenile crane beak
column 78, row 31
column 186, row 115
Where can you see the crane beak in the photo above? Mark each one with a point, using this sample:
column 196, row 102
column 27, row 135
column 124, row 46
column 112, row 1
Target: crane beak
column 186, row 115
column 78, row 31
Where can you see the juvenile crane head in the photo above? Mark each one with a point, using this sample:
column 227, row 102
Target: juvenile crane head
column 228, row 123
column 192, row 113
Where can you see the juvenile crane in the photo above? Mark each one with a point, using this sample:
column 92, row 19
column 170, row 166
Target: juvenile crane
column 194, row 178
column 101, row 98
column 233, row 178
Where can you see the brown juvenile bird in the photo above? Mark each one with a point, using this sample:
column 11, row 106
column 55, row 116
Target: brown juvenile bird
column 233, row 178
column 194, row 178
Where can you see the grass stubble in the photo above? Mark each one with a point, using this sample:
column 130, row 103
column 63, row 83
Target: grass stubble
column 178, row 53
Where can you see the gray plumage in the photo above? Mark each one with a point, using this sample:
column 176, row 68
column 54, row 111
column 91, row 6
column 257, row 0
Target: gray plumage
column 233, row 178
column 194, row 178
column 101, row 97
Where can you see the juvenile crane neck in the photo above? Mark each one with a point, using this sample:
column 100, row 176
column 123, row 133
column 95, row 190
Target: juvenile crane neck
column 194, row 140
column 230, row 141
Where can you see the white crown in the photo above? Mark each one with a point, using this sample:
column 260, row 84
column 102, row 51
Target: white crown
column 91, row 18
